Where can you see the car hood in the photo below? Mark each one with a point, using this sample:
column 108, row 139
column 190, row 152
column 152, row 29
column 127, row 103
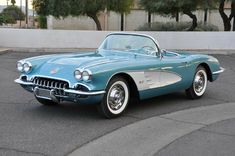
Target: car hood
column 85, row 61
column 65, row 64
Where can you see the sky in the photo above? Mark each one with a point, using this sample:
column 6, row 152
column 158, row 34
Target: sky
column 4, row 2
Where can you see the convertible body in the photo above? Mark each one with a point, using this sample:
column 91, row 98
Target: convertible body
column 84, row 78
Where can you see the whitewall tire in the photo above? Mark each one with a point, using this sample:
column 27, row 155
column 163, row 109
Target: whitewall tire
column 116, row 98
column 199, row 85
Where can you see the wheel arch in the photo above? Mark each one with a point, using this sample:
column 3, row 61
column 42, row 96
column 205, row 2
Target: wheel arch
column 134, row 93
column 208, row 70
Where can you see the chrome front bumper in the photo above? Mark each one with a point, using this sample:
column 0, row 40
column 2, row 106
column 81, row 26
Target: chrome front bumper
column 69, row 91
column 219, row 71
column 19, row 81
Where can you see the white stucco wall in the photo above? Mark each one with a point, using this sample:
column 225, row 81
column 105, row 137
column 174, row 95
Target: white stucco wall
column 135, row 19
column 29, row 38
column 113, row 21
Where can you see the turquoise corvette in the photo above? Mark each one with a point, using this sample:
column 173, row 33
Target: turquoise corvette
column 125, row 67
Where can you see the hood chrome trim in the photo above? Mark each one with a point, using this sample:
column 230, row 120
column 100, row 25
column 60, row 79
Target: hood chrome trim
column 104, row 62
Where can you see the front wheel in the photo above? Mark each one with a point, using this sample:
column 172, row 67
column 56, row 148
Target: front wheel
column 115, row 99
column 199, row 84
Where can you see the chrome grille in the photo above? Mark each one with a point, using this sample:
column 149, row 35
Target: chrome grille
column 46, row 83
column 50, row 83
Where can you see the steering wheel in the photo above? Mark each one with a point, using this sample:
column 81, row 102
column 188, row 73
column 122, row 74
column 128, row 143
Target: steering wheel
column 148, row 50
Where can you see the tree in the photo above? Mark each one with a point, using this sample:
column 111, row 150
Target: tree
column 13, row 12
column 10, row 15
column 227, row 19
column 120, row 6
column 13, row 2
column 173, row 7
column 233, row 10
column 90, row 8
column 41, row 7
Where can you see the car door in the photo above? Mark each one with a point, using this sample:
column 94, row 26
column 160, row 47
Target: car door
column 174, row 70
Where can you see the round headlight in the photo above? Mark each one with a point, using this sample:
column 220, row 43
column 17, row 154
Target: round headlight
column 20, row 67
column 27, row 67
column 86, row 75
column 78, row 74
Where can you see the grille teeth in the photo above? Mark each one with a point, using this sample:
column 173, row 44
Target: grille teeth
column 50, row 83
column 46, row 83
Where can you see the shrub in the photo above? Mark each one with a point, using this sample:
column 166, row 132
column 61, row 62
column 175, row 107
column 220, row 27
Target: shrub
column 42, row 21
column 206, row 27
column 176, row 26
column 5, row 19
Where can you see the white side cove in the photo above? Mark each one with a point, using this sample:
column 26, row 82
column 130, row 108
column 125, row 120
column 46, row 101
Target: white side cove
column 154, row 79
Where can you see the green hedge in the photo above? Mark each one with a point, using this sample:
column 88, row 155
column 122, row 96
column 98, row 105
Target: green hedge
column 42, row 21
column 6, row 19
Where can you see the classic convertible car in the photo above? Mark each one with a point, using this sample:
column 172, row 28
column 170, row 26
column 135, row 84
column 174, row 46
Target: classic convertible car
column 124, row 67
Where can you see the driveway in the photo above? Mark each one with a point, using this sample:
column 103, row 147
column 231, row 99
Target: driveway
column 28, row 128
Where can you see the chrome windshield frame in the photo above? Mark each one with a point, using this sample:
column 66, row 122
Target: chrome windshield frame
column 158, row 52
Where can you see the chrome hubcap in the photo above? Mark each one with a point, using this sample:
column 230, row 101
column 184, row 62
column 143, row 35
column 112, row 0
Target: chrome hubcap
column 116, row 97
column 200, row 82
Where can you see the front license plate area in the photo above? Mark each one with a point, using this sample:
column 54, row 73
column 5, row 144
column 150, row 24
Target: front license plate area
column 42, row 93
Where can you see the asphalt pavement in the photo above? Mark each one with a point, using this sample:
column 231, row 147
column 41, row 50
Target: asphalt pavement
column 27, row 128
column 190, row 132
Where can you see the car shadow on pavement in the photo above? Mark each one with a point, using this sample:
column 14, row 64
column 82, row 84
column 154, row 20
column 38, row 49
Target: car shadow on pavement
column 72, row 110
column 65, row 110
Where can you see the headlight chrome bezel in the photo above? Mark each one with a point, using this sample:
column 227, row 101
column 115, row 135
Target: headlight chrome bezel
column 86, row 75
column 83, row 75
column 20, row 67
column 27, row 67
column 24, row 67
column 78, row 74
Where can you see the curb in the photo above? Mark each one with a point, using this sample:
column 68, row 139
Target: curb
column 3, row 51
column 148, row 136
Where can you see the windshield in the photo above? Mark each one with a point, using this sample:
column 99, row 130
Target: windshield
column 131, row 43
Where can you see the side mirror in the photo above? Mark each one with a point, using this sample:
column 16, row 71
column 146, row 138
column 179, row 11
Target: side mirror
column 163, row 51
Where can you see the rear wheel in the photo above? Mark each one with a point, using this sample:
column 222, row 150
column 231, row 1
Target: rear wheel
column 199, row 84
column 115, row 99
column 46, row 102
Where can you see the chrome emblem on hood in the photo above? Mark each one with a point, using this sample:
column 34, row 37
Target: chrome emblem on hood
column 54, row 71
